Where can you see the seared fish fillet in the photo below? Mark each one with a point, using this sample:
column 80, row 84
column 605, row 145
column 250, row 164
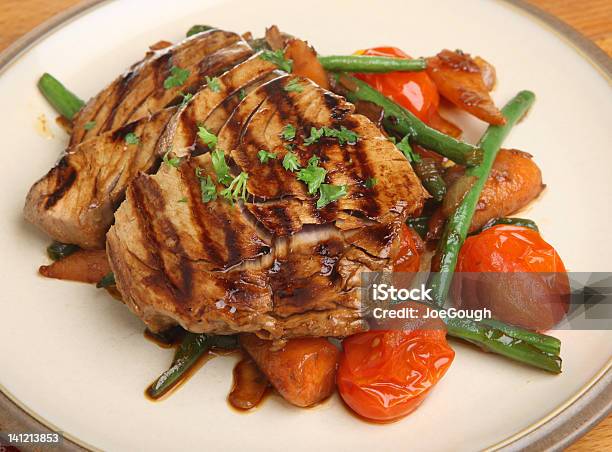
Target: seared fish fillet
column 76, row 200
column 275, row 265
column 140, row 91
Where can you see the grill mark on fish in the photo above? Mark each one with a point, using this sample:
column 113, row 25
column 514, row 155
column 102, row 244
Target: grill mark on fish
column 124, row 89
column 167, row 239
column 159, row 74
column 188, row 177
column 146, row 230
column 361, row 165
column 333, row 102
column 65, row 176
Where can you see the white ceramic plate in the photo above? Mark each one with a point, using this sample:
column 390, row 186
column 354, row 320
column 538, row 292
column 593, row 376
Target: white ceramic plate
column 77, row 359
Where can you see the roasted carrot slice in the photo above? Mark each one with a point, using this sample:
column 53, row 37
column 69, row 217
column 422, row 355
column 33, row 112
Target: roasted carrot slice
column 303, row 371
column 88, row 266
column 465, row 82
column 305, row 62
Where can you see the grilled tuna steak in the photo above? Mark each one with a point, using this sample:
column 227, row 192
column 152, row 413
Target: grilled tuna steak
column 75, row 201
column 275, row 265
column 140, row 91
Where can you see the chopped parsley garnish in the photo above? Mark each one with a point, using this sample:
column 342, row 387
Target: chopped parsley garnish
column 294, row 86
column 89, row 125
column 343, row 135
column 406, row 149
column 330, row 193
column 208, row 138
column 236, row 189
column 177, row 77
column 186, row 98
column 315, row 135
column 175, row 162
column 313, row 175
column 183, row 199
column 207, row 186
column 220, row 166
column 371, row 182
column 277, row 57
column 242, row 94
column 213, row 84
column 288, row 132
column 132, row 138
column 290, row 162
column 264, row 156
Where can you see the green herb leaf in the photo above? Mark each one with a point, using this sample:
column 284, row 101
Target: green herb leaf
column 183, row 199
column 177, row 77
column 315, row 135
column 264, row 156
column 313, row 175
column 371, row 182
column 89, row 125
column 132, row 138
column 175, row 162
column 343, row 135
column 288, row 132
column 277, row 57
column 208, row 138
column 213, row 83
column 330, row 193
column 290, row 162
column 406, row 149
column 294, row 86
column 236, row 189
column 207, row 186
column 220, row 166
column 242, row 94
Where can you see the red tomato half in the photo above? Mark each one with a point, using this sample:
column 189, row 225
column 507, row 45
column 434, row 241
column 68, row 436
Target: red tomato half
column 413, row 90
column 407, row 258
column 385, row 375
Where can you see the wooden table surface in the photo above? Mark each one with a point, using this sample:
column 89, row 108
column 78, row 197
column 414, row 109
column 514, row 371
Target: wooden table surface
column 593, row 18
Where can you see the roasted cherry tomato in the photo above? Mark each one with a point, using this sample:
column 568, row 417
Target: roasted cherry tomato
column 385, row 375
column 413, row 90
column 408, row 256
column 535, row 296
column 508, row 248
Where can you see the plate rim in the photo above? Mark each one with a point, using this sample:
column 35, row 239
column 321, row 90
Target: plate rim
column 563, row 426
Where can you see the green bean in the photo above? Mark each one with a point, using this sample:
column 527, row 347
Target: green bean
column 497, row 340
column 365, row 63
column 401, row 121
column 107, row 281
column 190, row 350
column 65, row 102
column 430, row 176
column 59, row 250
column 511, row 221
column 459, row 222
column 195, row 29
column 419, row 224
column 543, row 342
